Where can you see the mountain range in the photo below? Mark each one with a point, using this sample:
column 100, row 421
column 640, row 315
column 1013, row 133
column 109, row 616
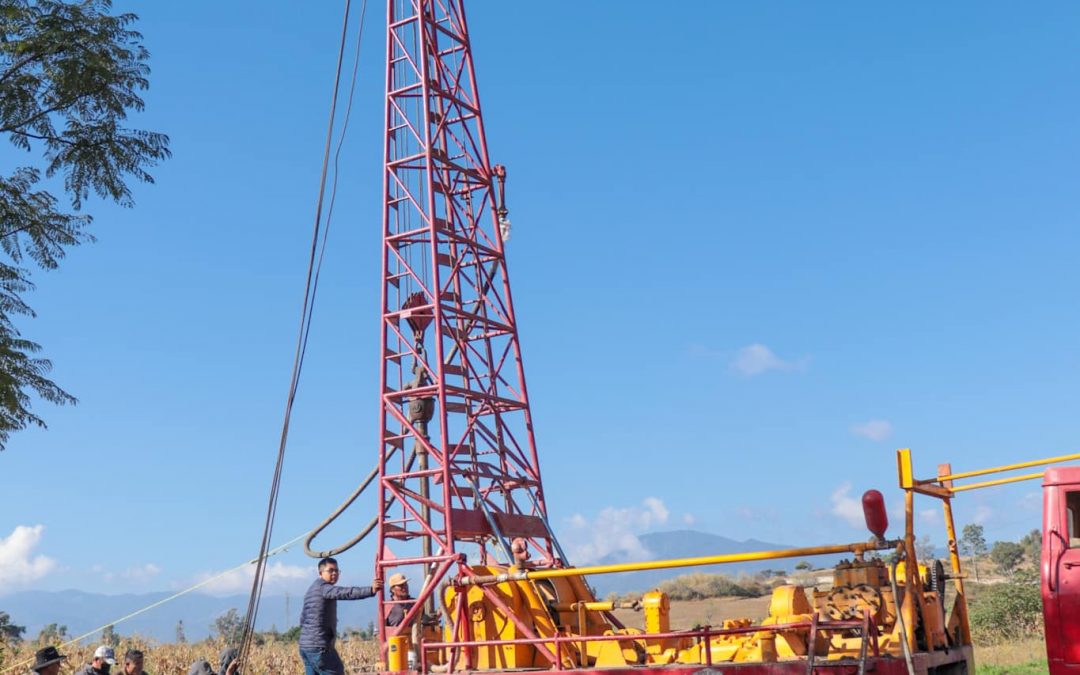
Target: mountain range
column 81, row 611
column 692, row 544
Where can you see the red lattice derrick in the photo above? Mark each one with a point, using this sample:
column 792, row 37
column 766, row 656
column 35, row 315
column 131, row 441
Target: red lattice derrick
column 459, row 469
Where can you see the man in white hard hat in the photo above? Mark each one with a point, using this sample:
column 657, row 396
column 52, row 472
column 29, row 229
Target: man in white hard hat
column 104, row 660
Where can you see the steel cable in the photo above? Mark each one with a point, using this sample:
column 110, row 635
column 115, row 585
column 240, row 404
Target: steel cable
column 307, row 311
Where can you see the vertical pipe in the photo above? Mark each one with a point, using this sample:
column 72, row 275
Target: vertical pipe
column 911, row 568
column 383, row 362
column 954, row 559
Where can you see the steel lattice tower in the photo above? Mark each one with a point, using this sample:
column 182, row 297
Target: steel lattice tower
column 459, row 475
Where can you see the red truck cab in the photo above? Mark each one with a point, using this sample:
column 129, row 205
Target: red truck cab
column 1061, row 569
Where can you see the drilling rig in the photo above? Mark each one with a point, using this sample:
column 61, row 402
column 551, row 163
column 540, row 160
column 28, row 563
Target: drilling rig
column 461, row 507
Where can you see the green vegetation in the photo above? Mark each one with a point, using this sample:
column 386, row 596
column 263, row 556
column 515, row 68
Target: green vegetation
column 1007, row 611
column 1037, row 667
column 698, row 586
column 70, row 73
column 973, row 543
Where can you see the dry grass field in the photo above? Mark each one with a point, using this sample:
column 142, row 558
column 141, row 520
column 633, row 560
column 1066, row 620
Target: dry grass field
column 1018, row 658
column 175, row 659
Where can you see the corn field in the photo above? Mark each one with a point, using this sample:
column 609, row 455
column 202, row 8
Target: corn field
column 269, row 658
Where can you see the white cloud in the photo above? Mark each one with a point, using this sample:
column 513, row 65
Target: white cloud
column 875, row 430
column 688, row 519
column 847, row 507
column 930, row 516
column 141, row 574
column 614, row 532
column 18, row 565
column 1031, row 501
column 983, row 513
column 279, row 577
column 756, row 359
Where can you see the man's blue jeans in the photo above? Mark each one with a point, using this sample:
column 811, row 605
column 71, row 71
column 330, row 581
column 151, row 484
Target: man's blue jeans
column 322, row 662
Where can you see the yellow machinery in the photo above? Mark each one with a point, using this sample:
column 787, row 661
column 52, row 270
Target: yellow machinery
column 505, row 618
column 499, row 618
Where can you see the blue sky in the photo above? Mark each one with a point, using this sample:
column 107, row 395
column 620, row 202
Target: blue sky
column 757, row 247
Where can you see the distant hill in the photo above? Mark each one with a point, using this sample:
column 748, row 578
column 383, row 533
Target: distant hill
column 81, row 611
column 691, row 544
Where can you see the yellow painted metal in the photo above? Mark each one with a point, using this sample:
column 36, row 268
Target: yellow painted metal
column 789, row 605
column 857, row 549
column 904, row 469
column 960, row 615
column 487, row 621
column 1010, row 467
column 657, row 612
column 999, row 481
column 911, row 576
column 397, row 653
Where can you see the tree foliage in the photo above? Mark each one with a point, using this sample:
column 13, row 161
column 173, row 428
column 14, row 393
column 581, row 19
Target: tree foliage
column 70, row 74
column 110, row 637
column 53, row 634
column 973, row 543
column 229, row 627
column 9, row 632
column 1007, row 555
column 1032, row 543
column 1007, row 612
column 924, row 548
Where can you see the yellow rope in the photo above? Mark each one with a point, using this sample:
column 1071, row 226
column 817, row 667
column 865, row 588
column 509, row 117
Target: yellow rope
column 172, row 597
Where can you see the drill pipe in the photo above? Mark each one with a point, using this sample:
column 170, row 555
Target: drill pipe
column 522, row 575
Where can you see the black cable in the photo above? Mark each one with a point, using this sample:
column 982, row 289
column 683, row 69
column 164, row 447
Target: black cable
column 307, row 310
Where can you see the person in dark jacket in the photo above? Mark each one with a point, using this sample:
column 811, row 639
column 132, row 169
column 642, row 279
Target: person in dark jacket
column 399, row 593
column 47, row 661
column 226, row 659
column 133, row 663
column 204, row 667
column 318, row 619
column 104, row 659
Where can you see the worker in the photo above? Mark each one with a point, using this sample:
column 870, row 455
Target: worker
column 204, row 668
column 228, row 658
column 104, row 659
column 520, row 550
column 133, row 663
column 47, row 661
column 318, row 619
column 399, row 593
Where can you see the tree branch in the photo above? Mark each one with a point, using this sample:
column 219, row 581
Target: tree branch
column 48, row 111
column 16, row 67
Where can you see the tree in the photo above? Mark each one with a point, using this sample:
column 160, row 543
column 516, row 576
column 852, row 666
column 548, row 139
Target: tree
column 291, row 635
column 1007, row 555
column 70, row 73
column 53, row 634
column 1032, row 543
column 802, row 565
column 109, row 636
column 973, row 543
column 181, row 637
column 229, row 627
column 924, row 548
column 9, row 632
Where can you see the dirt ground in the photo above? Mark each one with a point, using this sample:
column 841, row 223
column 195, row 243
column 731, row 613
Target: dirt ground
column 711, row 611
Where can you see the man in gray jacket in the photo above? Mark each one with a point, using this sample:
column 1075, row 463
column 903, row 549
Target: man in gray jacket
column 318, row 619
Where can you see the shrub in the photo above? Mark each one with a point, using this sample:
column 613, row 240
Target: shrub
column 699, row 586
column 1007, row 611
